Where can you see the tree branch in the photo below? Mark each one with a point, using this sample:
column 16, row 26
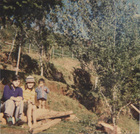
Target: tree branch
column 122, row 109
column 135, row 108
column 106, row 101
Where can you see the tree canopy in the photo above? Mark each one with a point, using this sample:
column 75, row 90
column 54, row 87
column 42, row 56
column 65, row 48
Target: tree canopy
column 113, row 33
column 25, row 11
column 105, row 32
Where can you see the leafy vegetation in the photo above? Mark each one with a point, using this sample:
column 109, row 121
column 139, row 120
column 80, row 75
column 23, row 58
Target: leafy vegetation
column 107, row 34
column 102, row 35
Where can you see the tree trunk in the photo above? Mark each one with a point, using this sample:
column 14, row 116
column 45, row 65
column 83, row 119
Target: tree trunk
column 96, row 82
column 53, row 52
column 62, row 52
column 29, row 48
column 41, row 61
column 13, row 43
column 114, row 106
column 18, row 60
column 72, row 56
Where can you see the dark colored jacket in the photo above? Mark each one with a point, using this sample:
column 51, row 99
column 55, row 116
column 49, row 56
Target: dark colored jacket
column 10, row 92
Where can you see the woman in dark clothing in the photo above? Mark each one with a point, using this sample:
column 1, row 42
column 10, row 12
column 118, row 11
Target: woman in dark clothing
column 12, row 98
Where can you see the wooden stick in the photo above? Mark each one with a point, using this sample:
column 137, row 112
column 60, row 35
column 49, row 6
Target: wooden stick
column 1, row 80
column 106, row 125
column 50, row 114
column 135, row 108
column 8, row 43
column 109, row 128
column 1, row 116
column 45, row 126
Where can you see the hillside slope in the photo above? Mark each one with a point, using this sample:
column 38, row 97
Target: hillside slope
column 66, row 94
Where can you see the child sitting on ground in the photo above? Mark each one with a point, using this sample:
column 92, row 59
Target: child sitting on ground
column 42, row 91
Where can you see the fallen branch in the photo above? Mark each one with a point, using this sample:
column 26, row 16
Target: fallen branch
column 50, row 114
column 109, row 128
column 135, row 108
column 45, row 126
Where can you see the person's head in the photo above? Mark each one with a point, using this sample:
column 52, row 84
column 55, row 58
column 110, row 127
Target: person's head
column 30, row 82
column 15, row 81
column 41, row 82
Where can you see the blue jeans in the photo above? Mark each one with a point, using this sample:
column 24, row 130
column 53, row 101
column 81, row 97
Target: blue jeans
column 9, row 107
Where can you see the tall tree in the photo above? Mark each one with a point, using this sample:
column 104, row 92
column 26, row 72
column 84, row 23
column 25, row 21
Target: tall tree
column 24, row 13
column 114, row 48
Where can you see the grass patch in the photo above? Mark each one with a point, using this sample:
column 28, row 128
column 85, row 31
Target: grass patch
column 70, row 128
column 128, row 125
column 86, row 120
column 5, row 129
column 66, row 66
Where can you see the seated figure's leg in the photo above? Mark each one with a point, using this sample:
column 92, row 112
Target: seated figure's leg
column 9, row 107
column 2, row 107
column 29, row 112
column 34, row 113
column 19, row 111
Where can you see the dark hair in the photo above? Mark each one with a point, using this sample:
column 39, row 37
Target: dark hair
column 15, row 77
column 41, row 79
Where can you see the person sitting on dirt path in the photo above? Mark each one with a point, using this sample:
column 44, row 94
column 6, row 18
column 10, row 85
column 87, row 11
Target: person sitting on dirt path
column 13, row 101
column 29, row 100
column 42, row 91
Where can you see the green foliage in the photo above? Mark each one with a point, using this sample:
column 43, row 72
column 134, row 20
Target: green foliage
column 106, row 33
column 7, row 33
column 25, row 11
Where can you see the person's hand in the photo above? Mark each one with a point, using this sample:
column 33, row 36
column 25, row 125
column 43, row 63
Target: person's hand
column 16, row 98
column 17, row 103
column 30, row 102
column 19, row 98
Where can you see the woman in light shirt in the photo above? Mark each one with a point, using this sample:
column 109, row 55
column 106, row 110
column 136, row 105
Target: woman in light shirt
column 29, row 100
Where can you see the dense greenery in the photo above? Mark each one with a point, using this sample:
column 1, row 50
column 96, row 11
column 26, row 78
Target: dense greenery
column 105, row 32
column 23, row 14
column 25, row 11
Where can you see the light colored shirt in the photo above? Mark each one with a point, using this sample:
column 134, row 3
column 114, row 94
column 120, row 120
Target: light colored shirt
column 29, row 95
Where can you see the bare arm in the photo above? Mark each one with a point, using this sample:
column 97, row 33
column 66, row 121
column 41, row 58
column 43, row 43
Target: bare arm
column 19, row 98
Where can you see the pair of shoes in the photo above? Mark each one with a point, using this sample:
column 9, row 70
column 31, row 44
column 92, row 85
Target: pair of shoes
column 19, row 122
column 10, row 123
column 8, row 119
